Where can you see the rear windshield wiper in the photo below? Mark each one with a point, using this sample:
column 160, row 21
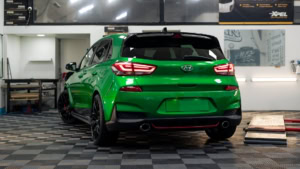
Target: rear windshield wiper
column 191, row 57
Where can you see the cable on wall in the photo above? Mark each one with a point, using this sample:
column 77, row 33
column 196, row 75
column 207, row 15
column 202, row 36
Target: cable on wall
column 29, row 14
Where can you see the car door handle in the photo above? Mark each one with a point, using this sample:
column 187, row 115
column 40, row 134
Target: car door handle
column 94, row 73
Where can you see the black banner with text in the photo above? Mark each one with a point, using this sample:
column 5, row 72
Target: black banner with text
column 256, row 11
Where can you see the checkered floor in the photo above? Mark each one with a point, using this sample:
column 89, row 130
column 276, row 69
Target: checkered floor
column 42, row 141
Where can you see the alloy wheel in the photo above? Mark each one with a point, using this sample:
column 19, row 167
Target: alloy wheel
column 95, row 122
column 64, row 107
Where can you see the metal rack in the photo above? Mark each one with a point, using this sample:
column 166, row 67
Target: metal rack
column 28, row 90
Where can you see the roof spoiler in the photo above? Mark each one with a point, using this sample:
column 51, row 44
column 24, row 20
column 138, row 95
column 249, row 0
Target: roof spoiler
column 183, row 34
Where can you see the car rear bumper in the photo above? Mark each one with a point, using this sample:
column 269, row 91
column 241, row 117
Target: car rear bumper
column 174, row 123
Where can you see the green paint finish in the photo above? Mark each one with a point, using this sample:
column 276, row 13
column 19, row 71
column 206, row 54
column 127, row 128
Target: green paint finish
column 188, row 105
column 127, row 107
column 168, row 92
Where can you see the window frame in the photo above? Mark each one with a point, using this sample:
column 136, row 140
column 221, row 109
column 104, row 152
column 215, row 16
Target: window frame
column 161, row 6
column 161, row 20
column 212, row 38
column 88, row 50
column 104, row 41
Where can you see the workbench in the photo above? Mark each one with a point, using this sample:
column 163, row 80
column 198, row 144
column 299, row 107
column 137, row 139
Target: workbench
column 29, row 90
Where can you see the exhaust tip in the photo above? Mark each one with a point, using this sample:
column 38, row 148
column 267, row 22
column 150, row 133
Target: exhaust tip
column 225, row 124
column 145, row 127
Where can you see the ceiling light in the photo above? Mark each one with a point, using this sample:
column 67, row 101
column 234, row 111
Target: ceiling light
column 85, row 9
column 73, row 1
column 121, row 16
column 290, row 79
column 110, row 1
column 241, row 79
column 40, row 35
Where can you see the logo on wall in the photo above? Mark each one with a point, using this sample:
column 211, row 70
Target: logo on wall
column 233, row 35
column 276, row 14
column 256, row 11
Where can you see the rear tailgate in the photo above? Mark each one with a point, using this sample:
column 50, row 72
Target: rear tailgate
column 200, row 91
column 169, row 76
column 185, row 81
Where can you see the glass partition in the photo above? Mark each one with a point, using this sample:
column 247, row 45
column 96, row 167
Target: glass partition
column 132, row 11
column 96, row 11
column 191, row 11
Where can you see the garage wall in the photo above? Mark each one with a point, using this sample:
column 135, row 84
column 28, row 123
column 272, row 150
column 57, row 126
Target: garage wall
column 95, row 32
column 13, row 53
column 37, row 54
column 29, row 54
column 1, row 17
column 72, row 50
column 255, row 95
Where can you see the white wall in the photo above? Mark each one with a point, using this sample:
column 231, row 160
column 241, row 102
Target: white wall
column 95, row 32
column 13, row 53
column 35, row 48
column 255, row 95
column 1, row 17
column 23, row 53
column 72, row 50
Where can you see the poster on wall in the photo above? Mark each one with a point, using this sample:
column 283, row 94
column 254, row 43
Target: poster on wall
column 256, row 11
column 255, row 47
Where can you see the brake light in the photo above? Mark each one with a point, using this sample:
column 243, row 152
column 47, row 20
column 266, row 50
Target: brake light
column 130, row 69
column 131, row 89
column 229, row 88
column 225, row 69
column 177, row 36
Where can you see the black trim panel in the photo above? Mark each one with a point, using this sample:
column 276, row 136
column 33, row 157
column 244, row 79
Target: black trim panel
column 117, row 124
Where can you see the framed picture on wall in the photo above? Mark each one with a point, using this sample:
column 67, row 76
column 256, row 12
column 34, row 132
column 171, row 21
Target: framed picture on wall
column 255, row 47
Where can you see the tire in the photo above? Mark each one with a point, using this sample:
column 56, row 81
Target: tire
column 220, row 133
column 100, row 135
column 64, row 108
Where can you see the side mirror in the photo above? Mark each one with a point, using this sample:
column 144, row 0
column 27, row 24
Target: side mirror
column 71, row 66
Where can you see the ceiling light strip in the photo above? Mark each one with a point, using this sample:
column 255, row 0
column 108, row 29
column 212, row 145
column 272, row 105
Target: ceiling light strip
column 86, row 9
column 241, row 79
column 290, row 79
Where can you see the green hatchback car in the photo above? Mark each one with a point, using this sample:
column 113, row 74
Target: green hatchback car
column 153, row 81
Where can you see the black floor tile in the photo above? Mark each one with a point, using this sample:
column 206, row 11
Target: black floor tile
column 44, row 141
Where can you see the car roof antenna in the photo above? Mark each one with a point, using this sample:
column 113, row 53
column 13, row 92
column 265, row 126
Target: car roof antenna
column 165, row 30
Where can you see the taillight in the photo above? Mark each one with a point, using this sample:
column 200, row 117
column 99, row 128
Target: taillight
column 130, row 69
column 229, row 88
column 226, row 69
column 131, row 89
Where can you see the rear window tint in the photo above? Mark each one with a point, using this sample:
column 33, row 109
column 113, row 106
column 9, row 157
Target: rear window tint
column 172, row 47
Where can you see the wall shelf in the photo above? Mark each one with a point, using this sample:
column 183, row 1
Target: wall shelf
column 41, row 60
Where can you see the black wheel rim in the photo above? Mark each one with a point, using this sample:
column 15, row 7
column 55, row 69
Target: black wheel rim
column 64, row 107
column 95, row 120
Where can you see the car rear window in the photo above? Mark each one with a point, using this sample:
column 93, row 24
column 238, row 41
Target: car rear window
column 172, row 46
